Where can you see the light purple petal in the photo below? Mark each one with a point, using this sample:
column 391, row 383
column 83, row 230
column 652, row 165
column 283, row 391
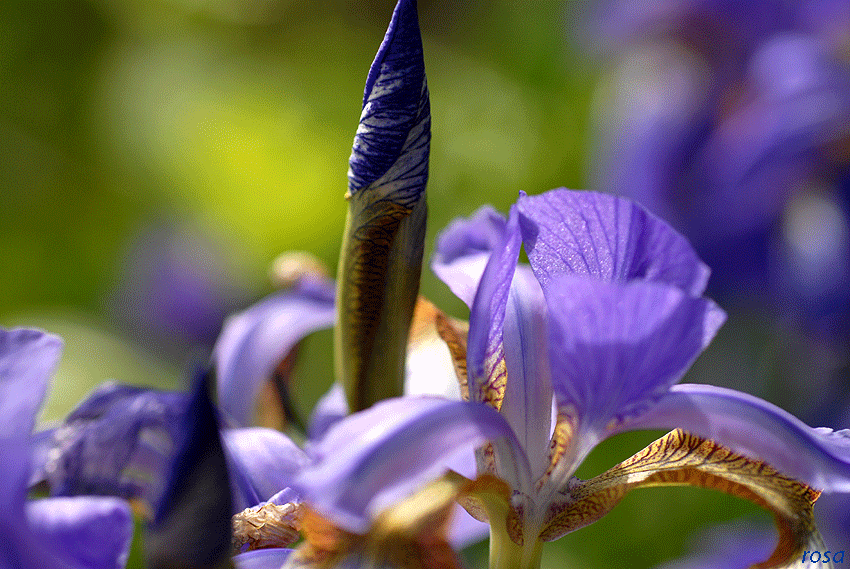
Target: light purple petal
column 753, row 427
column 328, row 410
column 262, row 462
column 373, row 458
column 253, row 342
column 273, row 558
column 27, row 360
column 527, row 405
column 606, row 237
column 463, row 248
column 485, row 351
column 615, row 347
column 86, row 532
column 390, row 153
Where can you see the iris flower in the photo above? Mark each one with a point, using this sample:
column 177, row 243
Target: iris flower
column 48, row 533
column 602, row 325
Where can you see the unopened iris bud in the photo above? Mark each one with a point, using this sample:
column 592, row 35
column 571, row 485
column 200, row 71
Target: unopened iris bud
column 381, row 258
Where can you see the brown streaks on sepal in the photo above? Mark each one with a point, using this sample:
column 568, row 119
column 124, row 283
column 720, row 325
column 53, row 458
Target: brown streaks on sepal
column 682, row 459
column 377, row 287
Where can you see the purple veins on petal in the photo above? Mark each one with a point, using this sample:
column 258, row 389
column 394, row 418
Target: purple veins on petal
column 392, row 142
column 605, row 237
column 616, row 347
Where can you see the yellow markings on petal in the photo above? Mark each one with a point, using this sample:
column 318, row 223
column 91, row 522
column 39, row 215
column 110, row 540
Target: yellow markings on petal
column 266, row 526
column 454, row 333
column 562, row 436
column 377, row 287
column 409, row 535
column 682, row 459
column 492, row 391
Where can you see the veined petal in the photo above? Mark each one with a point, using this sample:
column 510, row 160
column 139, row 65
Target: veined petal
column 252, row 343
column 117, row 442
column 86, row 531
column 678, row 459
column 527, row 405
column 390, row 154
column 262, row 462
column 753, row 427
column 27, row 360
column 463, row 248
column 606, row 237
column 384, row 241
column 615, row 348
column 485, row 356
column 376, row 457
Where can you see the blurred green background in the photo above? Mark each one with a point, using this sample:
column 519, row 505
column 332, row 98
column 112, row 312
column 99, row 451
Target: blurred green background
column 217, row 133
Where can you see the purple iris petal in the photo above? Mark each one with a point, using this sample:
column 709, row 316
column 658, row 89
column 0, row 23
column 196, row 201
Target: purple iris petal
column 376, row 457
column 273, row 558
column 487, row 315
column 27, row 360
column 253, row 342
column 117, row 442
column 463, row 248
column 78, row 533
column 527, row 405
column 756, row 428
column 328, row 410
column 615, row 348
column 263, row 461
column 90, row 532
column 391, row 145
column 605, row 237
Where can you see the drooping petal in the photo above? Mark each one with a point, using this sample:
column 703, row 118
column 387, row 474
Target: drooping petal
column 252, row 343
column 86, row 531
column 615, row 348
column 463, row 248
column 191, row 525
column 680, row 458
column 527, row 405
column 27, row 360
column 376, row 457
column 382, row 248
column 753, row 427
column 116, row 442
column 409, row 534
column 485, row 354
column 605, row 237
column 262, row 462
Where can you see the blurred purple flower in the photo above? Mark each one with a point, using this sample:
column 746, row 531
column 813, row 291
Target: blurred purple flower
column 732, row 120
column 49, row 533
column 175, row 288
